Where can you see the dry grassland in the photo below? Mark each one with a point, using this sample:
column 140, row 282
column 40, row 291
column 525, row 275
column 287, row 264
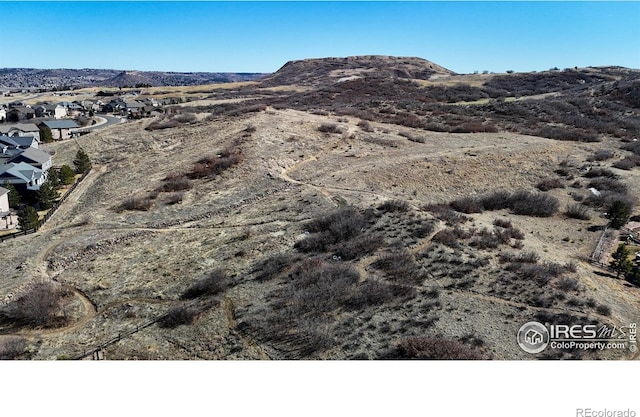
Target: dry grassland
column 128, row 267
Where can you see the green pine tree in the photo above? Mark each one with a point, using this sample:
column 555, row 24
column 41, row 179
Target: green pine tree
column 53, row 178
column 82, row 162
column 45, row 134
column 67, row 175
column 47, row 195
column 634, row 276
column 621, row 262
column 14, row 196
column 619, row 213
column 28, row 218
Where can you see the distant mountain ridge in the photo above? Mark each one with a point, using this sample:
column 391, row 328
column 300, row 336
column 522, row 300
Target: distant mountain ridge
column 30, row 78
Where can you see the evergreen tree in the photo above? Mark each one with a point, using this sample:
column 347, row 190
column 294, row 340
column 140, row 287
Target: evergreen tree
column 45, row 134
column 619, row 213
column 67, row 175
column 634, row 276
column 82, row 162
column 53, row 178
column 621, row 262
column 28, row 218
column 14, row 196
column 47, row 195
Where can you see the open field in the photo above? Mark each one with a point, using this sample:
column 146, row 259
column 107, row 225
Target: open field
column 404, row 270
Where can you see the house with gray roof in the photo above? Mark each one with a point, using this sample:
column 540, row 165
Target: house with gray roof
column 17, row 142
column 34, row 157
column 21, row 129
column 60, row 129
column 22, row 175
column 18, row 113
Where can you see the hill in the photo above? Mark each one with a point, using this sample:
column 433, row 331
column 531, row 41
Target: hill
column 326, row 71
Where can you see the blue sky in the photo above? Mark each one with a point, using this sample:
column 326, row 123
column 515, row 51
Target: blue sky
column 262, row 36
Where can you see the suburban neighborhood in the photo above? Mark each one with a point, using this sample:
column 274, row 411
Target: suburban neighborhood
column 25, row 164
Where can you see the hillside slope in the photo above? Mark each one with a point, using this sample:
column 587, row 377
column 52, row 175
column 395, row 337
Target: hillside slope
column 326, row 71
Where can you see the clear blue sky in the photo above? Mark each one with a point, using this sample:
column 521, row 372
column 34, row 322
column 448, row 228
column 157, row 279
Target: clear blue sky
column 263, row 36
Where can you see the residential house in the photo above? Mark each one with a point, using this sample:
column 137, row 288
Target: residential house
column 60, row 112
column 135, row 109
column 60, row 129
column 18, row 142
column 22, row 175
column 115, row 106
column 5, row 213
column 17, row 113
column 34, row 157
column 45, row 110
column 71, row 108
column 21, row 129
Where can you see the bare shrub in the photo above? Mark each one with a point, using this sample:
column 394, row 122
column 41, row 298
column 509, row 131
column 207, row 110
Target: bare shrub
column 525, row 257
column 342, row 223
column 395, row 206
column 446, row 237
column 578, row 211
column 504, row 223
column 315, row 242
column 549, row 184
column 467, row 205
column 177, row 316
column 497, row 200
column 632, row 147
column 365, row 126
column 436, row 348
column 357, row 247
column 174, row 198
column 541, row 274
column 600, row 155
column 275, row 264
column 316, row 287
column 400, row 266
column 608, row 184
column 184, row 118
column 422, row 229
column 567, row 284
column 565, row 133
column 175, row 184
column 11, row 347
column 329, row 128
column 538, row 205
column 628, row 162
column 216, row 282
column 136, row 203
column 370, row 293
column 159, row 125
column 487, row 239
column 40, row 305
column 412, row 138
column 216, row 165
column 605, row 310
column 600, row 172
column 445, row 213
column 607, row 198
